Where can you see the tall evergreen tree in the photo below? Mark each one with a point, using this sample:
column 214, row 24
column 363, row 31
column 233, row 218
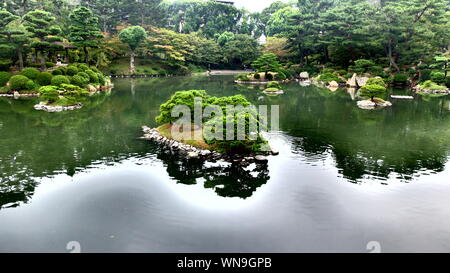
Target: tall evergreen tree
column 133, row 36
column 40, row 24
column 83, row 30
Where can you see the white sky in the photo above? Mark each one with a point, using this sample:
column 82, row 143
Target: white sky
column 254, row 5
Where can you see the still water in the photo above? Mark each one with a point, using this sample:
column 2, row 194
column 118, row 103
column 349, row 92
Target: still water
column 345, row 177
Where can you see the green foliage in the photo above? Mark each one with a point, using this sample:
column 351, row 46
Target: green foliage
column 180, row 98
column 257, row 76
column 280, row 76
column 242, row 77
column 437, row 77
column 372, row 91
column 30, row 73
column 57, row 72
column 19, row 83
column 275, row 85
column 431, row 86
column 59, row 80
column 72, row 70
column 44, row 78
column 376, row 81
column 50, row 94
column 133, row 36
column 93, row 77
column 267, row 63
column 328, row 77
column 269, row 77
column 4, row 78
column 425, row 75
column 400, row 79
column 83, row 30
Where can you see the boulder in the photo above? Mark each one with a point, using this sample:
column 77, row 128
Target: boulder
column 352, row 82
column 333, row 84
column 362, row 81
column 91, row 88
column 370, row 105
column 261, row 159
column 193, row 155
column 304, row 75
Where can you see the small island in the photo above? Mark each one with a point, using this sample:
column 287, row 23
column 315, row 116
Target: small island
column 268, row 68
column 205, row 141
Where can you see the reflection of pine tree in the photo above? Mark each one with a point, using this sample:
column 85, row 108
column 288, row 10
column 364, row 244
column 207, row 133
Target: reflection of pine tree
column 232, row 180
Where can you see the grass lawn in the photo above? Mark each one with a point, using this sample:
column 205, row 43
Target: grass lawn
column 166, row 131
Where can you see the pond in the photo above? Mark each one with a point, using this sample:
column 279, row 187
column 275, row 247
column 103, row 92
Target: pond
column 345, row 177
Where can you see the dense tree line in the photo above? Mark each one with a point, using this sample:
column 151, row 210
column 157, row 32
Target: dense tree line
column 393, row 33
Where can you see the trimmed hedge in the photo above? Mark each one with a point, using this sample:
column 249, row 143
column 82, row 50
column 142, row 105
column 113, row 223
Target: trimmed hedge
column 44, row 78
column 18, row 83
column 58, row 80
column 4, row 78
column 30, row 73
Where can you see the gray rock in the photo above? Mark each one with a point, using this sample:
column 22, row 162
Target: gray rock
column 261, row 158
column 193, row 155
column 304, row 75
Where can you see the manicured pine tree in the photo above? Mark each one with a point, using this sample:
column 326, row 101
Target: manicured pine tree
column 83, row 30
column 267, row 63
column 40, row 24
column 133, row 36
column 12, row 34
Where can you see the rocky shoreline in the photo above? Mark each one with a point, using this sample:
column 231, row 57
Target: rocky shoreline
column 192, row 152
column 370, row 105
column 56, row 109
column 431, row 91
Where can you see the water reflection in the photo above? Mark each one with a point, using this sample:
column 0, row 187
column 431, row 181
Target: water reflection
column 408, row 140
column 227, row 179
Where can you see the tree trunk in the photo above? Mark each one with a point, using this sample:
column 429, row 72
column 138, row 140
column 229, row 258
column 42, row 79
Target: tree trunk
column 43, row 66
column 20, row 55
column 391, row 58
column 132, row 64
column 86, row 55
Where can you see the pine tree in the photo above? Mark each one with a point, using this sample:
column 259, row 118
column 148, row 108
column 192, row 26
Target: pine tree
column 12, row 34
column 83, row 30
column 40, row 24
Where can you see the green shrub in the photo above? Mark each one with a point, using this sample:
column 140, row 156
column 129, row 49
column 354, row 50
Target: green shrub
column 242, row 77
column 372, row 90
column 95, row 69
column 84, row 75
column 50, row 94
column 400, row 79
column 376, row 81
column 57, row 72
column 5, row 65
column 364, row 64
column 327, row 71
column 447, row 81
column 30, row 86
column 72, row 70
column 269, row 77
column 47, row 88
column 49, row 64
column 257, row 76
column 44, row 78
column 63, row 70
column 93, row 78
column 4, row 78
column 431, row 85
column 58, row 80
column 376, row 70
column 280, row 76
column 328, row 77
column 438, row 77
column 101, row 79
column 30, row 73
column 274, row 85
column 83, row 67
column 18, row 82
column 425, row 75
column 79, row 80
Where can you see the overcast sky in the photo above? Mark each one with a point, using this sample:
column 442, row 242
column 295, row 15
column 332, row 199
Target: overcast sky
column 255, row 5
